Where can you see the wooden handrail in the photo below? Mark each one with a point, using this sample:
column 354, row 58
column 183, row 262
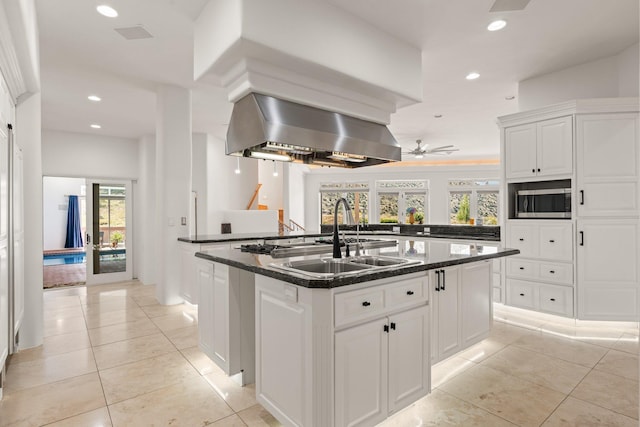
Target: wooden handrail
column 255, row 195
column 283, row 225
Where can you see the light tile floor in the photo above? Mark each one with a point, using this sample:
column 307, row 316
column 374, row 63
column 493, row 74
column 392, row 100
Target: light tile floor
column 113, row 356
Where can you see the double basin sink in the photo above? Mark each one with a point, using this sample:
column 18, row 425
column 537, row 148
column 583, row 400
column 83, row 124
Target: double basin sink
column 329, row 268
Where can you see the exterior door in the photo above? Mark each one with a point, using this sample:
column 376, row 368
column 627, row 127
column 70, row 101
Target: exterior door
column 109, row 236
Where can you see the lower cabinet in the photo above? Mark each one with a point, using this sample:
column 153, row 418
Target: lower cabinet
column 380, row 367
column 226, row 317
column 461, row 307
column 351, row 355
column 608, row 270
column 544, row 297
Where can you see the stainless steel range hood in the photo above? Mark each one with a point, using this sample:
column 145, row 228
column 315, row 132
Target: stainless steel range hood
column 269, row 128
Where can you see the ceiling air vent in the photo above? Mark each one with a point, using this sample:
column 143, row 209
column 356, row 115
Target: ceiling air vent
column 508, row 5
column 134, row 33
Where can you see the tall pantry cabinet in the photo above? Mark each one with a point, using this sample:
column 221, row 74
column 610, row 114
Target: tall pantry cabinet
column 586, row 266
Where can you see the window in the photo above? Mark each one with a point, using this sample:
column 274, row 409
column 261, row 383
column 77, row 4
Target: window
column 356, row 194
column 477, row 199
column 396, row 199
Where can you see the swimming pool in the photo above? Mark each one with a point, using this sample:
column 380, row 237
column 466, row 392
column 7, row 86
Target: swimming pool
column 61, row 259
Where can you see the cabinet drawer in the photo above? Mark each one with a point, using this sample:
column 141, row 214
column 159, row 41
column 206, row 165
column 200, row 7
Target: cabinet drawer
column 521, row 294
column 523, row 237
column 556, row 300
column 556, row 272
column 358, row 305
column 522, row 268
column 556, row 242
column 407, row 293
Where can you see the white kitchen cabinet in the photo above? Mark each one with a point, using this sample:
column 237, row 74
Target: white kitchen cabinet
column 607, row 167
column 356, row 353
column 539, row 296
column 539, row 150
column 461, row 307
column 608, row 272
column 226, row 317
column 380, row 367
column 542, row 239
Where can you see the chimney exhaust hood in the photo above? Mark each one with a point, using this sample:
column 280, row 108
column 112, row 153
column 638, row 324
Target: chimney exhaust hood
column 269, row 128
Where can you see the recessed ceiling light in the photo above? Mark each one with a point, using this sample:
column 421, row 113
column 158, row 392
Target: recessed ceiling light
column 472, row 76
column 510, row 98
column 96, row 126
column 497, row 25
column 94, row 98
column 107, row 11
column 437, row 116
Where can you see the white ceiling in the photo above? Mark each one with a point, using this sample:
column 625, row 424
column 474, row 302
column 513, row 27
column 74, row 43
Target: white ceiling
column 81, row 54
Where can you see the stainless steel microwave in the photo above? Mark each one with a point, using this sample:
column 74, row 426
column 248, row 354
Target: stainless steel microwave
column 543, row 203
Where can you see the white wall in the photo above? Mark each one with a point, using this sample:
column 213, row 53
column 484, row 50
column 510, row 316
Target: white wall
column 227, row 190
column 271, row 190
column 294, row 192
column 85, row 155
column 610, row 77
column 198, row 183
column 438, row 177
column 28, row 124
column 55, row 192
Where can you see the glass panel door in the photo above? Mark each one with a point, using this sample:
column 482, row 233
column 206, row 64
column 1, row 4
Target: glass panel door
column 108, row 231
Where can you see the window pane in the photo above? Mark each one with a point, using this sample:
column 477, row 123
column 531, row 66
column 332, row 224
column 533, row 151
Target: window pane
column 416, row 201
column 459, row 207
column 327, row 203
column 488, row 207
column 388, row 208
column 358, row 202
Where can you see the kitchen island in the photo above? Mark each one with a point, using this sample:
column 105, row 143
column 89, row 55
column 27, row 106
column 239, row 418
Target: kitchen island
column 350, row 349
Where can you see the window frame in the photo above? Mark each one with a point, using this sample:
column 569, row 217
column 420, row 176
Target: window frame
column 473, row 187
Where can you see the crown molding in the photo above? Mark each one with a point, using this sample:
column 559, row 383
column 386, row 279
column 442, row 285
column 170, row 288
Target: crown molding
column 9, row 63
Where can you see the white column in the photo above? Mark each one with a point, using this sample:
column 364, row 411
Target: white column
column 145, row 202
column 199, row 184
column 173, row 176
column 28, row 119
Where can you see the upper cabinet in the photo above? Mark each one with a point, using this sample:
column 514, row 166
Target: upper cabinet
column 607, row 169
column 539, row 150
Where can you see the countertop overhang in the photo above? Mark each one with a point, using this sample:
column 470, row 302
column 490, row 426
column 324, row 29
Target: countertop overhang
column 438, row 256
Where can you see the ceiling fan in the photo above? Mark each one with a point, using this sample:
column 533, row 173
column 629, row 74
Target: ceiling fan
column 420, row 151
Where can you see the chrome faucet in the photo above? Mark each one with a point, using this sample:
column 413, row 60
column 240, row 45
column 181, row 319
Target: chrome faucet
column 336, row 236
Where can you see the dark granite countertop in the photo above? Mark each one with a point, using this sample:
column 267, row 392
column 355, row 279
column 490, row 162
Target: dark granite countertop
column 486, row 233
column 432, row 253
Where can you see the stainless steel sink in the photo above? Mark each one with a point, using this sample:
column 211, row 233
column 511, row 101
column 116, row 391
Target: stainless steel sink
column 329, row 268
column 379, row 261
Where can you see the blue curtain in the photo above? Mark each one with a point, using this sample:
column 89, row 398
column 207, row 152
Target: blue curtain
column 74, row 233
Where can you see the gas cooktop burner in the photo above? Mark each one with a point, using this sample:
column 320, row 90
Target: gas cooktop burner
column 258, row 249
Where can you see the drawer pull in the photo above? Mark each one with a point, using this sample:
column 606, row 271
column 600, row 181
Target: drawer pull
column 533, row 171
column 552, row 241
column 521, row 295
column 393, row 326
column 552, row 299
column 521, row 268
column 366, row 303
column 521, row 239
column 386, row 328
column 409, row 292
column 538, row 169
column 552, row 272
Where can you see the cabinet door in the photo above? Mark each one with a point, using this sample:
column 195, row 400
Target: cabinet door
column 608, row 269
column 520, row 151
column 409, row 363
column 220, row 309
column 361, row 378
column 607, row 164
column 555, row 147
column 448, row 312
column 523, row 236
column 204, row 279
column 188, row 281
column 475, row 298
column 556, row 241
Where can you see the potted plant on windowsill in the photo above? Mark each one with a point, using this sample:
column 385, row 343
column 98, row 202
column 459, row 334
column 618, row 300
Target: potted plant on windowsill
column 411, row 211
column 116, row 238
column 419, row 217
